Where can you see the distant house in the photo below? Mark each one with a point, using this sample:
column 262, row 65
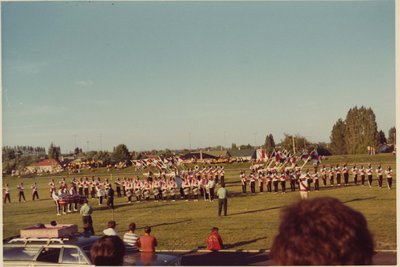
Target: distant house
column 197, row 155
column 242, row 154
column 218, row 153
column 45, row 166
column 385, row 148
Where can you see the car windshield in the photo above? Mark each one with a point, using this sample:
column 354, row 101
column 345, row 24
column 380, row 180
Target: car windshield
column 20, row 253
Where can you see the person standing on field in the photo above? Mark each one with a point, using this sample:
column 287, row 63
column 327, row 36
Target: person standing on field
column 379, row 171
column 21, row 194
column 35, row 193
column 243, row 180
column 304, row 190
column 369, row 175
column 7, row 194
column 222, row 194
column 86, row 212
column 389, row 175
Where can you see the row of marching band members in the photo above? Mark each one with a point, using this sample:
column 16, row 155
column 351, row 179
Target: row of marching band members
column 273, row 178
column 163, row 188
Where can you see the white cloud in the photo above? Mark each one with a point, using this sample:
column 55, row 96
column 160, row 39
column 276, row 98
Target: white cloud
column 30, row 67
column 84, row 83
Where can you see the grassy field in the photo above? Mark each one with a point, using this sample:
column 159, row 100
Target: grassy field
column 252, row 222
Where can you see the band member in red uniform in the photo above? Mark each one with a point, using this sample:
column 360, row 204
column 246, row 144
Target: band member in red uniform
column 369, row 175
column 252, row 183
column 331, row 175
column 118, row 187
column 338, row 175
column 35, row 193
column 316, row 181
column 7, row 194
column 52, row 186
column 172, row 187
column 345, row 171
column 362, row 175
column 354, row 171
column 243, row 180
column 269, row 181
column 283, row 182
column 379, row 171
column 292, row 178
column 323, row 175
column 86, row 187
column 275, row 181
column 261, row 182
column 389, row 177
column 21, row 194
column 80, row 186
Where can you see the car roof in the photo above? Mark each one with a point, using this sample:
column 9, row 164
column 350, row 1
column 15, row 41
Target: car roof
column 77, row 240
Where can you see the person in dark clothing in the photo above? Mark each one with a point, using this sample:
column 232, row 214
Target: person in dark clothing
column 110, row 197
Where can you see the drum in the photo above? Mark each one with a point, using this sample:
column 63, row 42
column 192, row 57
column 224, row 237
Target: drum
column 186, row 190
column 129, row 193
column 172, row 192
column 146, row 193
column 195, row 190
column 156, row 191
column 76, row 199
column 82, row 199
column 62, row 202
column 137, row 192
column 164, row 193
column 69, row 199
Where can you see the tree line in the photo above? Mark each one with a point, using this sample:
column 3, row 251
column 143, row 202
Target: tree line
column 353, row 135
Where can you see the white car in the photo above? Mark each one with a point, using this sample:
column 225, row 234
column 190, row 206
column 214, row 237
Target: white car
column 73, row 251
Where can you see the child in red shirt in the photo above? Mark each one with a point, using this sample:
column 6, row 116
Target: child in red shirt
column 214, row 240
column 147, row 243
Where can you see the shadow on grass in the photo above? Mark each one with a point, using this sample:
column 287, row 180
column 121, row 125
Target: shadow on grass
column 254, row 211
column 223, row 259
column 359, row 199
column 167, row 223
column 241, row 243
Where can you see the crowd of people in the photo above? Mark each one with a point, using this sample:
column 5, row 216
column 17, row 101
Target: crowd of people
column 298, row 242
column 275, row 180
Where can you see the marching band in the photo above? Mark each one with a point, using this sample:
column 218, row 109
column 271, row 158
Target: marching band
column 292, row 175
column 199, row 183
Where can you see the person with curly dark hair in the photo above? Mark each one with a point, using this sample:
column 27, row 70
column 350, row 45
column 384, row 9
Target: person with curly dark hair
column 322, row 231
column 108, row 251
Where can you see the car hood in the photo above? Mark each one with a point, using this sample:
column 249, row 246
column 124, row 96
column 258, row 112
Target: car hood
column 151, row 259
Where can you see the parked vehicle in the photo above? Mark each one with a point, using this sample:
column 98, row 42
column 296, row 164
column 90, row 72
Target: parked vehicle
column 71, row 251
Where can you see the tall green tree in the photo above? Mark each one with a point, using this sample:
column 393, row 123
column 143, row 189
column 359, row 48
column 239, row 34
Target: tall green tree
column 120, row 154
column 338, row 143
column 381, row 137
column 269, row 144
column 392, row 135
column 300, row 143
column 54, row 152
column 361, row 130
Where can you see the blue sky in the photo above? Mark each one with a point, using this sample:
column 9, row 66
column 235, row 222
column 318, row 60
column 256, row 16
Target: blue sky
column 156, row 75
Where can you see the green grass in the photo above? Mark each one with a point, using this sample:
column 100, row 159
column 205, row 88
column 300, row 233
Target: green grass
column 252, row 222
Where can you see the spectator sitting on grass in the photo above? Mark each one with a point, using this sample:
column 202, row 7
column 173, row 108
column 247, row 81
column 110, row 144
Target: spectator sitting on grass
column 147, row 243
column 131, row 239
column 214, row 240
column 111, row 228
column 108, row 251
column 322, row 231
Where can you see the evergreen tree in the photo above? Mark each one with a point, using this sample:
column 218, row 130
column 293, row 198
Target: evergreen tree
column 269, row 144
column 338, row 144
column 392, row 135
column 381, row 138
column 54, row 152
column 120, row 154
column 361, row 130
